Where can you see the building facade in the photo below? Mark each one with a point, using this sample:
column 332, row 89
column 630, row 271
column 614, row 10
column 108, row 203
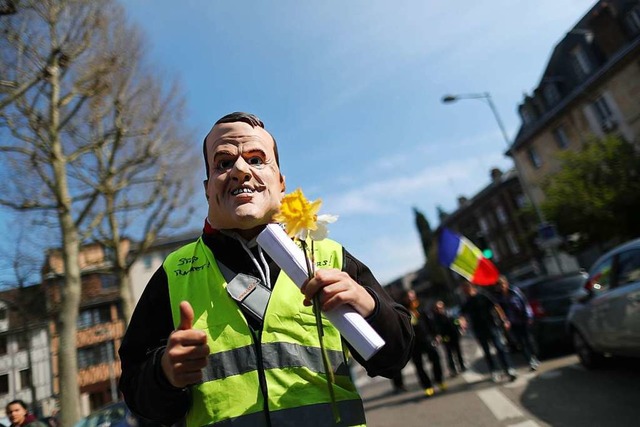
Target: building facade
column 25, row 362
column 100, row 324
column 590, row 88
column 495, row 219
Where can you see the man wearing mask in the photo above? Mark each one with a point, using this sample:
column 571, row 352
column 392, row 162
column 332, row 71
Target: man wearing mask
column 195, row 355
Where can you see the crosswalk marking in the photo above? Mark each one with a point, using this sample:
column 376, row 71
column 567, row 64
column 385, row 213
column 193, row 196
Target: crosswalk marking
column 472, row 376
column 527, row 423
column 521, row 381
column 501, row 407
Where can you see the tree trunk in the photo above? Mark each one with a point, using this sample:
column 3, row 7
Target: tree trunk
column 67, row 355
column 126, row 296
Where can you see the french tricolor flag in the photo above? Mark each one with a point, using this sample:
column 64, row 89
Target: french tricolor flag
column 460, row 255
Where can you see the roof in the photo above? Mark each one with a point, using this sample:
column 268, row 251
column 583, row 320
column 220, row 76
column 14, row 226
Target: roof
column 556, row 70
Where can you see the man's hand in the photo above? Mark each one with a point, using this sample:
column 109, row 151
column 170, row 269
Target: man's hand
column 187, row 351
column 338, row 288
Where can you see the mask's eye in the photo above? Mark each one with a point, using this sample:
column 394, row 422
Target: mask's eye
column 255, row 161
column 225, row 164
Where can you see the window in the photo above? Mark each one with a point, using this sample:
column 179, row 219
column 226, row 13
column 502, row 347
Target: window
column 21, row 342
column 501, row 215
column 3, row 313
column 108, row 281
column 521, row 200
column 95, row 354
column 604, row 114
column 482, row 223
column 513, row 244
column 94, row 316
column 600, row 276
column 534, row 158
column 602, row 109
column 633, row 20
column 494, row 249
column 561, row 137
column 4, row 384
column 3, row 344
column 109, row 254
column 25, row 378
column 527, row 115
column 629, row 267
column 551, row 94
column 581, row 62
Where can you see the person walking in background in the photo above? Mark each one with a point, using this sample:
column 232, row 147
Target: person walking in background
column 426, row 339
column 449, row 333
column 480, row 310
column 518, row 311
column 19, row 415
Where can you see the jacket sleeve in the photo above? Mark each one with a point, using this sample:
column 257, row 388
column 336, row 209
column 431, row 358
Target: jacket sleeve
column 144, row 386
column 391, row 320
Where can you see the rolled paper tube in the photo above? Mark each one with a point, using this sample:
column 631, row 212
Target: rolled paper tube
column 352, row 326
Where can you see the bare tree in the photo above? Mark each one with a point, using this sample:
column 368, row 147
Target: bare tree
column 142, row 166
column 87, row 131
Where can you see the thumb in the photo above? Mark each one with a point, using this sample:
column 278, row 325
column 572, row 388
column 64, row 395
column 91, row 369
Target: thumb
column 186, row 316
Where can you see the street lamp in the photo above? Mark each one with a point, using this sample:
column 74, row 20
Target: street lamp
column 486, row 97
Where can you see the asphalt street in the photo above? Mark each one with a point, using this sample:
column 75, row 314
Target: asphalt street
column 560, row 393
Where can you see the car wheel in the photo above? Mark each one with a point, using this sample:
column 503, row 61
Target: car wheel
column 589, row 358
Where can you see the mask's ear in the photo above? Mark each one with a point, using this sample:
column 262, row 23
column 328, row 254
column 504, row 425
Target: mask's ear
column 206, row 182
column 283, row 185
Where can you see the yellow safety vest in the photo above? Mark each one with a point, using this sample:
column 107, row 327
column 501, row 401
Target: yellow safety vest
column 270, row 378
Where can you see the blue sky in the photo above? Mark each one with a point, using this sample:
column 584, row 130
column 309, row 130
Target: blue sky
column 351, row 90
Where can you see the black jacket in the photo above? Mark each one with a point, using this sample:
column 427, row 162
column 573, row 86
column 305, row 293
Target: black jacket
column 149, row 394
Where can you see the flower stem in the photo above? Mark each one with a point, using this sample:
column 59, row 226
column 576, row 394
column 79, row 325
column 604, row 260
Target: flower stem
column 309, row 259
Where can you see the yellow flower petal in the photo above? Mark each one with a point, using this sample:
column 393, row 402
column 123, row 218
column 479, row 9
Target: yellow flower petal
column 298, row 214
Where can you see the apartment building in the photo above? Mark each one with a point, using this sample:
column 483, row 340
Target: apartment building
column 100, row 324
column 25, row 362
column 494, row 219
column 590, row 87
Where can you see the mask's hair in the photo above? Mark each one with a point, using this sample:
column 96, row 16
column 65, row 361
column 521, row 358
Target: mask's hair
column 247, row 118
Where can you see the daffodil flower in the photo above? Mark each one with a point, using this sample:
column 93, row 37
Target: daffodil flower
column 300, row 217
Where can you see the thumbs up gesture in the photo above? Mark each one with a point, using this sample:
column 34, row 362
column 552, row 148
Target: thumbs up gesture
column 187, row 351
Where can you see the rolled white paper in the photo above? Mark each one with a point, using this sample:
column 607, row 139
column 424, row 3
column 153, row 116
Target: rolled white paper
column 352, row 326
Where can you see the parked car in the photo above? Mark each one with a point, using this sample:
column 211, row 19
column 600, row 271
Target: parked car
column 605, row 319
column 114, row 415
column 550, row 298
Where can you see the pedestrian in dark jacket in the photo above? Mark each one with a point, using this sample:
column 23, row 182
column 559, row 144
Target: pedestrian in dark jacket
column 518, row 311
column 449, row 331
column 426, row 341
column 195, row 353
column 481, row 311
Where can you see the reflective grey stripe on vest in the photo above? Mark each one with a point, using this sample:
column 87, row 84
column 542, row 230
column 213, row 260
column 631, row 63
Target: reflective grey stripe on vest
column 318, row 415
column 274, row 355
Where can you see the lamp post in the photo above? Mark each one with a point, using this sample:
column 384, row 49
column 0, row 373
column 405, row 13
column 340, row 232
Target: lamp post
column 486, row 97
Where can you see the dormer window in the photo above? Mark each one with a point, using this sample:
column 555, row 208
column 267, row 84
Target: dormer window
column 632, row 20
column 551, row 94
column 581, row 62
column 526, row 114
